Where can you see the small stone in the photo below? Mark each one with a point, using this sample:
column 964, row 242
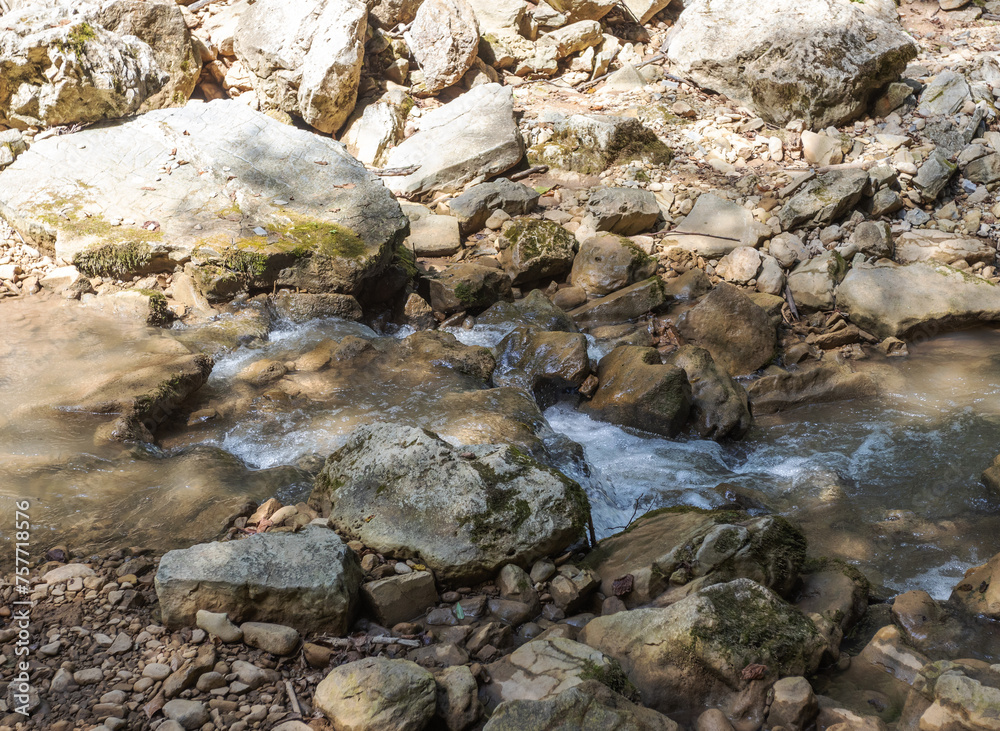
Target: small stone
column 156, row 671
column 189, row 714
column 218, row 625
column 274, row 638
column 88, row 676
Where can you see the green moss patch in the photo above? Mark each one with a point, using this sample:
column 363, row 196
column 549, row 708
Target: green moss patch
column 114, row 260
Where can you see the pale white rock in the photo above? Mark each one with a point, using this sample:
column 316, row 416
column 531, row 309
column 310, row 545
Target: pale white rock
column 62, row 574
column 107, row 174
column 499, row 16
column 305, row 57
column 740, row 265
column 307, row 580
column 444, row 39
column 771, row 278
column 573, row 38
column 945, row 95
column 821, row 150
column 899, row 301
column 713, row 228
column 57, row 279
column 775, row 56
column 374, row 128
column 475, row 135
column 644, row 10
column 939, row 246
column 58, row 68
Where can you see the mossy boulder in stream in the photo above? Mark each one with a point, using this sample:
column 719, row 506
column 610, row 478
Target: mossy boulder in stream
column 638, row 391
column 711, row 648
column 464, row 511
column 262, row 203
column 677, row 551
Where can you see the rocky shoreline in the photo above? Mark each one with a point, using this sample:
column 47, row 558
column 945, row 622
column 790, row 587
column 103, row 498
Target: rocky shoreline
column 402, row 230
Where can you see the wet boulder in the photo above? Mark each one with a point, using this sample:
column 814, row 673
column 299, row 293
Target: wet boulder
column 405, row 701
column 307, row 580
column 533, row 249
column 898, row 301
column 407, row 493
column 535, row 312
column 291, row 222
column 813, row 283
column 302, row 307
column 542, row 363
column 474, row 135
column 719, row 404
column 695, row 652
column 305, row 58
column 738, row 333
column 951, row 695
column 590, row 706
column 629, row 303
column 814, row 382
column 475, row 205
column 467, row 287
column 608, row 263
column 686, row 549
column 979, row 590
column 816, row 60
column 638, row 391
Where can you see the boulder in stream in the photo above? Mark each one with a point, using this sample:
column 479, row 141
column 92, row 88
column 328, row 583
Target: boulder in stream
column 738, row 333
column 638, row 391
column 697, row 650
column 719, row 404
column 680, row 550
column 462, row 511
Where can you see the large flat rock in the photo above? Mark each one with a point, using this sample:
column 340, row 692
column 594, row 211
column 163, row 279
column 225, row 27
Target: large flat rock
column 308, row 580
column 471, row 136
column 217, row 183
column 916, row 299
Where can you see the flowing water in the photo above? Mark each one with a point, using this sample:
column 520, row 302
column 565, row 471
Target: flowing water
column 890, row 484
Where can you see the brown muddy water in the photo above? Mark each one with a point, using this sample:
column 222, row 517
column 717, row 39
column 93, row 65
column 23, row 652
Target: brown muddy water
column 890, row 484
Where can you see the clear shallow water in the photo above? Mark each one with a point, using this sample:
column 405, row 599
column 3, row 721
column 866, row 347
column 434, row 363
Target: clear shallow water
column 890, row 484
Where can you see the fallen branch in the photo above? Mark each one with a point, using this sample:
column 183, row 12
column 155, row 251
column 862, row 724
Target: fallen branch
column 856, row 165
column 593, row 82
column 296, row 708
column 199, row 5
column 791, row 302
column 390, row 172
column 530, row 171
